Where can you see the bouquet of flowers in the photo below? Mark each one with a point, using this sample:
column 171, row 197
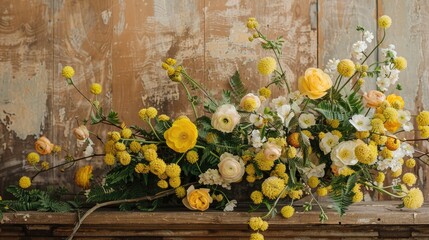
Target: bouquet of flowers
column 327, row 138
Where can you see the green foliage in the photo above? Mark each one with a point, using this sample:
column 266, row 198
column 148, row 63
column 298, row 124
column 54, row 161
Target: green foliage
column 237, row 86
column 113, row 117
column 342, row 193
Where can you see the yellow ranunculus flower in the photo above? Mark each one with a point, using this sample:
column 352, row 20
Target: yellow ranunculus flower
column 83, row 175
column 314, row 83
column 182, row 135
column 197, row 199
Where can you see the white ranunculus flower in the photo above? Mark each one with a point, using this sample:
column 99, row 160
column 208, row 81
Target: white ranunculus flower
column 225, row 118
column 256, row 119
column 360, row 122
column 306, row 120
column 328, row 142
column 271, row 151
column 231, row 168
column 229, row 207
column 285, row 113
column 344, row 154
column 316, row 171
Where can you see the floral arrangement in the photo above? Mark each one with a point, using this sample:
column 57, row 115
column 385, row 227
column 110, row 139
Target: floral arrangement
column 328, row 137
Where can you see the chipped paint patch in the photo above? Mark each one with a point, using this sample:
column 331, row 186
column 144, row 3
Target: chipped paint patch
column 105, row 15
column 119, row 28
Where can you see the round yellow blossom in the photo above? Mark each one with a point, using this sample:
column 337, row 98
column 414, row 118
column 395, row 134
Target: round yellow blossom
column 346, row 68
column 157, row 166
column 33, row 158
column 379, row 139
column 287, row 211
column 163, row 176
column 386, row 153
column 211, row 137
column 24, row 182
column 56, row 149
column 256, row 236
column 249, row 104
column 150, row 154
column 380, row 177
column 379, row 116
column 265, row 92
column 409, row 179
column 250, row 169
column 272, row 187
column 362, row 134
column 392, row 126
column 396, row 173
column 162, row 184
column 267, row 65
column 346, row 171
column 171, row 71
column 135, row 146
column 295, row 194
column 109, row 147
column 391, row 114
column 67, row 72
column 400, row 63
column 109, row 159
column 83, row 176
column 392, row 143
column 124, row 157
column 357, row 197
column 45, row 165
column 264, row 226
column 313, row 182
column 255, row 223
column 362, row 153
column 322, row 191
column 377, row 125
column 414, row 199
column 384, row 21
column 337, row 133
column 250, row 38
column 180, row 192
column 410, row 163
column 192, row 156
column 321, row 135
column 307, row 133
column 163, row 118
column 96, row 88
column 151, row 112
column 174, row 182
column 334, row 123
column 182, row 135
column 142, row 114
column 250, row 178
column 423, row 118
column 360, row 82
column 165, row 66
column 126, row 133
column 173, row 170
column 120, row 146
column 252, row 23
column 257, row 197
column 171, row 61
column 115, row 136
column 141, row 168
column 424, row 131
column 291, row 152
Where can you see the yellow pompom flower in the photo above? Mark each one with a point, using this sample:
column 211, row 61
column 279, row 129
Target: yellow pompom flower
column 83, row 176
column 423, row 118
column 272, row 187
column 211, row 137
column 151, row 112
column 24, row 182
column 115, row 136
column 424, row 131
column 295, row 194
column 141, row 168
column 171, row 61
column 267, row 65
column 67, row 72
column 120, row 146
column 346, row 171
column 357, row 197
column 192, row 156
column 400, row 63
column 109, row 159
column 250, row 169
column 391, row 114
column 409, row 179
column 337, row 133
column 250, row 178
column 396, row 173
column 163, row 118
column 249, row 104
column 180, row 192
column 150, row 154
column 322, row 191
column 362, row 153
column 380, row 177
column 126, row 133
column 174, row 182
column 96, row 88
column 182, row 135
column 321, row 135
column 362, row 134
column 291, row 152
column 257, row 197
column 162, row 184
column 384, row 22
column 173, row 170
column 346, row 68
column 44, row 165
column 313, row 182
column 255, row 223
column 377, row 125
column 142, row 114
column 256, row 236
column 135, row 146
column 287, row 211
column 33, row 158
column 334, row 123
column 414, row 199
column 157, row 166
column 109, row 147
column 410, row 163
column 396, row 101
column 124, row 157
column 252, row 23
column 265, row 92
column 264, row 226
column 392, row 126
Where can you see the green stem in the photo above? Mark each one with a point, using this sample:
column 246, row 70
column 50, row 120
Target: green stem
column 190, row 99
column 141, row 140
column 153, row 129
column 199, row 87
column 322, row 211
column 382, row 190
column 181, row 157
column 212, row 153
column 274, row 204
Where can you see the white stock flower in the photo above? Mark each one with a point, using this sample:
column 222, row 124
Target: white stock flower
column 383, row 83
column 285, row 113
column 391, row 49
column 344, row 154
column 331, row 66
column 328, row 142
column 359, row 46
column 256, row 119
column 212, row 177
column 256, row 139
column 368, row 36
column 225, row 118
column 229, row 207
column 360, row 122
column 296, row 97
column 390, row 72
column 408, row 149
column 231, row 168
column 408, row 126
column 316, row 171
column 306, row 120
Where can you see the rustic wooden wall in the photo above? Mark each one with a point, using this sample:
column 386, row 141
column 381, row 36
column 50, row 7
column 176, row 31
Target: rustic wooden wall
column 121, row 43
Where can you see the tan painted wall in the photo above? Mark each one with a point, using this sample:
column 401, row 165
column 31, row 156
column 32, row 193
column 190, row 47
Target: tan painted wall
column 121, row 43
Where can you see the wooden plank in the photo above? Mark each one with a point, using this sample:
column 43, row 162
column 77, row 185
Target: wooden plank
column 26, row 82
column 146, row 33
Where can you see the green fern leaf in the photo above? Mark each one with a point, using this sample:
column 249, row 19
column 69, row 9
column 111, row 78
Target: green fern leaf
column 237, row 86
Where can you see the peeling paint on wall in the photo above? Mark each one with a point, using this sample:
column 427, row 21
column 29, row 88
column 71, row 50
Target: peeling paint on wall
column 105, row 15
column 120, row 26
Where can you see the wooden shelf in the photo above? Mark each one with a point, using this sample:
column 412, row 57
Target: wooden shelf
column 365, row 220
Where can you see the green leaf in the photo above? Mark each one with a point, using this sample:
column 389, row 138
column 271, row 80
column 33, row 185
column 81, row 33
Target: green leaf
column 113, row 117
column 237, row 86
